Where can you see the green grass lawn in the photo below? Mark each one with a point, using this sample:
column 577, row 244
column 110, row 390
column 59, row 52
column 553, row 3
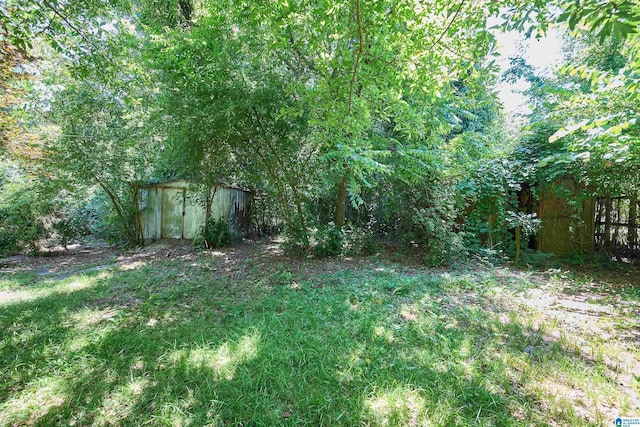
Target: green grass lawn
column 218, row 338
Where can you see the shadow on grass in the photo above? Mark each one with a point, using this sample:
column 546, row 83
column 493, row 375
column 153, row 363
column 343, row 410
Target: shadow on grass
column 151, row 347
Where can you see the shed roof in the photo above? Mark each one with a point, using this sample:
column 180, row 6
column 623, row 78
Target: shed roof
column 183, row 183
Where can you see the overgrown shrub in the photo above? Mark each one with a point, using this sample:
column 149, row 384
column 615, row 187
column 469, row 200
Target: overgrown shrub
column 75, row 226
column 104, row 223
column 359, row 241
column 434, row 232
column 21, row 228
column 538, row 259
column 217, row 233
column 525, row 225
column 19, row 231
column 328, row 240
column 293, row 244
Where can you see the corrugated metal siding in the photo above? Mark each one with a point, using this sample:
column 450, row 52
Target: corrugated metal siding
column 167, row 211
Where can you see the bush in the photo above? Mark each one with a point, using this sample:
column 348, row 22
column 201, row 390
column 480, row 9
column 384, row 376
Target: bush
column 328, row 240
column 19, row 232
column 325, row 240
column 444, row 252
column 359, row 241
column 217, row 233
column 103, row 221
column 434, row 231
column 20, row 228
column 536, row 259
column 293, row 244
column 74, row 226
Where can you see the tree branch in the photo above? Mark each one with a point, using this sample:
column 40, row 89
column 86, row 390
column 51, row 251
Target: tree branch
column 455, row 15
column 446, row 47
column 358, row 55
column 76, row 29
column 44, row 116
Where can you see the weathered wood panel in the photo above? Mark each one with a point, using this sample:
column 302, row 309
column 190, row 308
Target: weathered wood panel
column 174, row 210
column 566, row 230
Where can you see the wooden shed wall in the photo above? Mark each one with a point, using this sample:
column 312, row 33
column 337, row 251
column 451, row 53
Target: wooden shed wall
column 171, row 210
column 561, row 233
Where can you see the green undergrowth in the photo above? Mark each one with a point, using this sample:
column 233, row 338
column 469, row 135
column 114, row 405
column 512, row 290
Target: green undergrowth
column 172, row 343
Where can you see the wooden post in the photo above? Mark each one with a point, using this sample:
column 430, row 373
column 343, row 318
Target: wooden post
column 633, row 214
column 517, row 258
column 608, row 206
column 490, row 234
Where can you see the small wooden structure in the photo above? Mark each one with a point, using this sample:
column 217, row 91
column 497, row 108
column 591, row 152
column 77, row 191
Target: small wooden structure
column 565, row 229
column 606, row 224
column 179, row 210
column 617, row 224
column 567, row 223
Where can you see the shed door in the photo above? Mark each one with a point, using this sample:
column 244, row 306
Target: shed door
column 173, row 213
column 555, row 233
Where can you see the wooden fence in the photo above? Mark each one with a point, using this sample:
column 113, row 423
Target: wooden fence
column 616, row 225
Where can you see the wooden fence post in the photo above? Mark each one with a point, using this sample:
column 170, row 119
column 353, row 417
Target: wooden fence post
column 608, row 207
column 633, row 213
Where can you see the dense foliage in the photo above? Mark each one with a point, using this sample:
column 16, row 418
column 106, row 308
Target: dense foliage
column 378, row 120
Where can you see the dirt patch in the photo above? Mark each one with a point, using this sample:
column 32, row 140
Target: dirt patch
column 59, row 263
column 57, row 260
column 246, row 257
column 592, row 322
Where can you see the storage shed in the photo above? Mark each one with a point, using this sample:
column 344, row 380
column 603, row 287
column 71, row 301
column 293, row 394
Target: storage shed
column 178, row 210
column 566, row 218
column 565, row 231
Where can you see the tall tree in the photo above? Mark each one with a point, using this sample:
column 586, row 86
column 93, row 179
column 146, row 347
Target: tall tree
column 353, row 84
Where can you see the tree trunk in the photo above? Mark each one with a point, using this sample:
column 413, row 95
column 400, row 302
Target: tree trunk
column 137, row 220
column 208, row 201
column 116, row 205
column 341, row 202
column 633, row 215
column 517, row 257
column 608, row 207
column 126, row 219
